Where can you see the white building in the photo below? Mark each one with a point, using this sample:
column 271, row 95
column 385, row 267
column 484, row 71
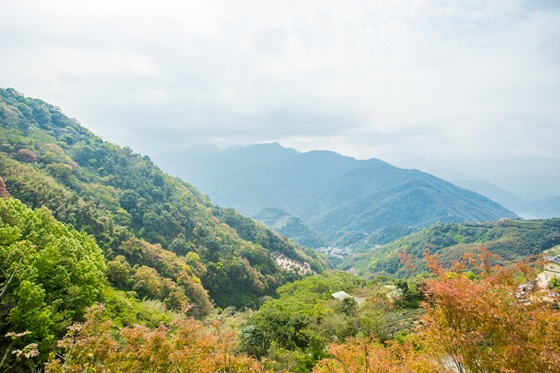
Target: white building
column 551, row 267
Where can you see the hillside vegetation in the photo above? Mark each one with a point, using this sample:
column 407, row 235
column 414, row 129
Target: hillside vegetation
column 509, row 239
column 50, row 274
column 109, row 264
column 290, row 226
column 474, row 319
column 151, row 227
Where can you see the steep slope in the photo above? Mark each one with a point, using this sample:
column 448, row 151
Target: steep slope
column 527, row 207
column 510, row 239
column 157, row 229
column 525, row 189
column 342, row 198
column 290, row 226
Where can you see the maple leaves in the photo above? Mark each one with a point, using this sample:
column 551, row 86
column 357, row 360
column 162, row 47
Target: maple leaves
column 488, row 325
column 472, row 323
column 365, row 355
column 184, row 346
column 26, row 352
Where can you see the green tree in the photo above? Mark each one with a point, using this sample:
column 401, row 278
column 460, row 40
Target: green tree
column 49, row 274
column 118, row 271
column 147, row 282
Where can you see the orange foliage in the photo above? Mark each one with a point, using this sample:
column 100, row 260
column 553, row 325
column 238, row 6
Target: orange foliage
column 488, row 324
column 470, row 324
column 407, row 260
column 3, row 190
column 364, row 355
column 184, row 346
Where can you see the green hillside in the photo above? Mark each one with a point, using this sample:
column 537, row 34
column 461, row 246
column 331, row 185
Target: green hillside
column 291, row 227
column 510, row 239
column 50, row 274
column 84, row 221
column 154, row 230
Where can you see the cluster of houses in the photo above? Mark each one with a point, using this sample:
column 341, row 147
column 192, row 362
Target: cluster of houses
column 335, row 252
column 551, row 270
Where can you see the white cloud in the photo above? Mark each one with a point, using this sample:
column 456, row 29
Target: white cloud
column 391, row 79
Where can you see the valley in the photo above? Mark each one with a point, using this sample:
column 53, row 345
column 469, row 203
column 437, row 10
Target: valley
column 341, row 199
column 109, row 263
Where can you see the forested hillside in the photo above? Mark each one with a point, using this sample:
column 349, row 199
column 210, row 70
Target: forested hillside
column 309, row 330
column 290, row 226
column 509, row 239
column 151, row 227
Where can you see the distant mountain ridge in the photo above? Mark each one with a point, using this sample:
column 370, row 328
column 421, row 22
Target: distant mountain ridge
column 527, row 209
column 342, row 198
column 528, row 189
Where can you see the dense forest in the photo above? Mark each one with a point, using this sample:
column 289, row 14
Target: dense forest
column 140, row 216
column 472, row 318
column 107, row 264
column 290, row 226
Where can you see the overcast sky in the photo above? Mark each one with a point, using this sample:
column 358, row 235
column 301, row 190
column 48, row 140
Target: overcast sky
column 388, row 79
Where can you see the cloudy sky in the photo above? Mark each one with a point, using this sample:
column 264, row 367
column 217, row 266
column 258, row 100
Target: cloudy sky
column 396, row 80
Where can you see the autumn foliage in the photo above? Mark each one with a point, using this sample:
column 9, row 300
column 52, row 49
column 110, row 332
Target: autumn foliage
column 184, row 346
column 477, row 318
column 492, row 324
column 489, row 323
column 364, row 355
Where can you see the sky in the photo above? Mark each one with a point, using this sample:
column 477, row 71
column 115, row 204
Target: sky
column 455, row 82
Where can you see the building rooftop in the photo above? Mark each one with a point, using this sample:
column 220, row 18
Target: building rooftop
column 554, row 259
column 343, row 295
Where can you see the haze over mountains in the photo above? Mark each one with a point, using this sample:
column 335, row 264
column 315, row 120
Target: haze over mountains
column 530, row 189
column 342, row 198
column 405, row 244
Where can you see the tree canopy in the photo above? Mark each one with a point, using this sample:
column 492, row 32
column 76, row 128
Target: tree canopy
column 139, row 213
column 50, row 274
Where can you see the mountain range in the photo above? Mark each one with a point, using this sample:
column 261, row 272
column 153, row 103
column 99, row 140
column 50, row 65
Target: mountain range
column 343, row 199
column 105, row 253
column 528, row 189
